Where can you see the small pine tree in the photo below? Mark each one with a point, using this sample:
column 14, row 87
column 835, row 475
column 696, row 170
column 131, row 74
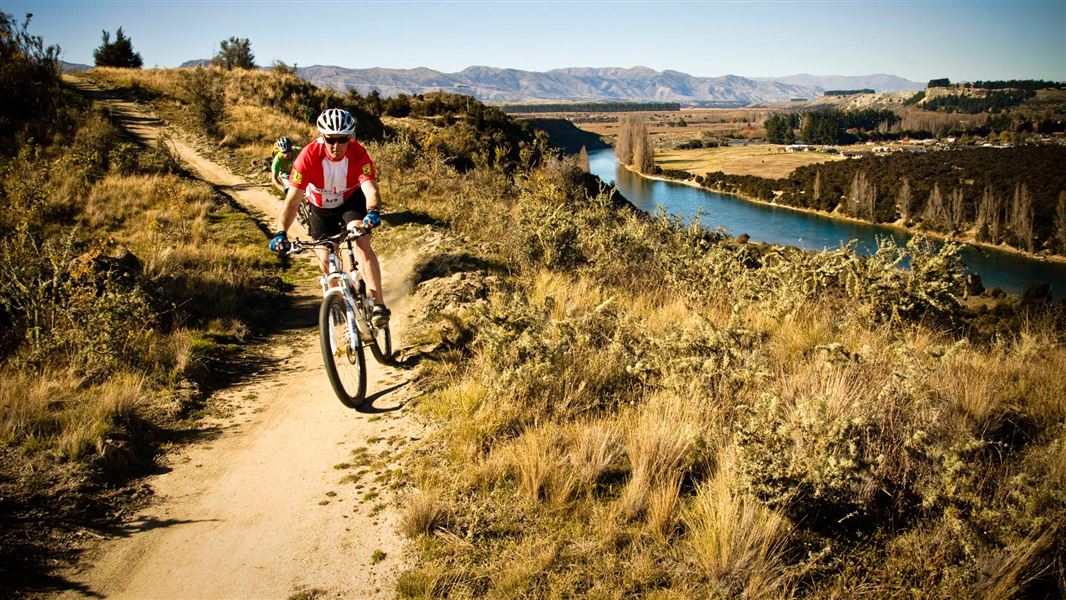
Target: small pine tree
column 235, row 53
column 208, row 95
column 30, row 72
column 118, row 53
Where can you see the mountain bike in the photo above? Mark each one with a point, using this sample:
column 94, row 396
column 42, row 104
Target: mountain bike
column 344, row 322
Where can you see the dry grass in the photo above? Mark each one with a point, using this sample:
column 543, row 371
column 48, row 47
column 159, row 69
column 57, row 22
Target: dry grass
column 761, row 160
column 423, row 513
column 594, row 446
column 539, row 461
column 992, row 387
column 250, row 131
column 158, row 81
column 658, row 446
column 736, row 539
column 63, row 412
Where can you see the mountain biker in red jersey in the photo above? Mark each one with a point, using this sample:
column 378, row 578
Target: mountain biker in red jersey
column 335, row 175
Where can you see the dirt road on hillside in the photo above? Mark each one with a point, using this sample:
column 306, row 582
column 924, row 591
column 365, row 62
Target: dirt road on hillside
column 279, row 496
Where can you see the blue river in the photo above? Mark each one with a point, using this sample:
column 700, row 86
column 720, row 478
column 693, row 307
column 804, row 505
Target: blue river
column 1010, row 272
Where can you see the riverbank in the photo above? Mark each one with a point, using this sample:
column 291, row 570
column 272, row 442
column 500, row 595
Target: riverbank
column 969, row 240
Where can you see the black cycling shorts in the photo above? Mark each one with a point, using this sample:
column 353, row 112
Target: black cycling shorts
column 325, row 222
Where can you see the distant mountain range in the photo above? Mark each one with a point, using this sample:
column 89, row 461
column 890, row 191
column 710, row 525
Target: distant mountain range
column 490, row 84
column 637, row 84
column 72, row 67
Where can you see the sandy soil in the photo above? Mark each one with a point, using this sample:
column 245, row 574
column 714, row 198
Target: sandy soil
column 264, row 504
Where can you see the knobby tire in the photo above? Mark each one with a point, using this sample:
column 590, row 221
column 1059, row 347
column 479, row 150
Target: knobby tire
column 345, row 362
column 381, row 346
column 379, row 339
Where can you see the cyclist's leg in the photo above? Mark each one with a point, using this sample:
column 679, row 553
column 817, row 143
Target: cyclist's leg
column 372, row 270
column 355, row 210
column 323, row 222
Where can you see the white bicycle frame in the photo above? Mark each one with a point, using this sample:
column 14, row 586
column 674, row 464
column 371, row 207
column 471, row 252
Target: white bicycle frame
column 344, row 287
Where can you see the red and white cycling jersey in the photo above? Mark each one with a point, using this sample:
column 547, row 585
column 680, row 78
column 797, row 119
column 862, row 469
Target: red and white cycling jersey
column 326, row 182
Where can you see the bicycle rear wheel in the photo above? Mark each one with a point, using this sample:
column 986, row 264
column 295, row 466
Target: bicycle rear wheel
column 345, row 363
column 378, row 338
column 381, row 346
column 304, row 215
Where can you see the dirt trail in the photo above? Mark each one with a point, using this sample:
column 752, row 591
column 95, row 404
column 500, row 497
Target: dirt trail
column 260, row 507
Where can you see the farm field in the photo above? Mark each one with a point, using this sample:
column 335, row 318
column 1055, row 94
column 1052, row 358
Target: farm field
column 669, row 129
column 762, row 160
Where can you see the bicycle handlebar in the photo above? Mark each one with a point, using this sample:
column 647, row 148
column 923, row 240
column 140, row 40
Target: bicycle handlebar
column 297, row 246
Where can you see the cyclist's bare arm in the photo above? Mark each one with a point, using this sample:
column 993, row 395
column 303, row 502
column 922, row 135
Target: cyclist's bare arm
column 373, row 196
column 289, row 208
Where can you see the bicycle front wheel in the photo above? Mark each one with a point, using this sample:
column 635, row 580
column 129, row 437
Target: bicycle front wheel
column 343, row 355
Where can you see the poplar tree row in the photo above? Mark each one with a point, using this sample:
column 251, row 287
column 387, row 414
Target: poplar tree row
column 634, row 146
column 994, row 219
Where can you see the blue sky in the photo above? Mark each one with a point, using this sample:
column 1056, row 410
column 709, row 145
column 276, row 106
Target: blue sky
column 918, row 40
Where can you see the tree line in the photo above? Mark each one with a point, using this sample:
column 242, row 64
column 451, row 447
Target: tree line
column 590, row 107
column 828, row 126
column 847, row 92
column 993, row 102
column 234, row 53
column 1014, row 84
column 1015, row 196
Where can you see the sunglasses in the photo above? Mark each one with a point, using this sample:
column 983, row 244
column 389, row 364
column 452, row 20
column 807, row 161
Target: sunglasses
column 336, row 140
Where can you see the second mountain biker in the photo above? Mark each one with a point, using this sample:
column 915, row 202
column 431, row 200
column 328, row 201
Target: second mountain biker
column 337, row 177
column 284, row 153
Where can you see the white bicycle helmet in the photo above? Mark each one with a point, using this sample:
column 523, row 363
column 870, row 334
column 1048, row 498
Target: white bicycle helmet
column 336, row 121
column 284, row 144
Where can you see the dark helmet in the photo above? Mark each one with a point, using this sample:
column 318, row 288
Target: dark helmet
column 284, row 145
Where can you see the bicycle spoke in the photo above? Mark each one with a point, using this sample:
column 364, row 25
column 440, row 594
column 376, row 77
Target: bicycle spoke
column 343, row 356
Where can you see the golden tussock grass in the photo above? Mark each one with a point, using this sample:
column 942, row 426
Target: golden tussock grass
column 159, row 81
column 1020, row 377
column 423, row 513
column 593, row 446
column 569, row 295
column 250, row 131
column 1009, row 573
column 736, row 539
column 658, row 445
column 63, row 412
column 140, row 205
column 662, row 511
column 539, row 462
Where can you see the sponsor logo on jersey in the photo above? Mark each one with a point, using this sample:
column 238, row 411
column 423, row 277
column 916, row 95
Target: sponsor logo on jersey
column 366, row 169
column 297, row 177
